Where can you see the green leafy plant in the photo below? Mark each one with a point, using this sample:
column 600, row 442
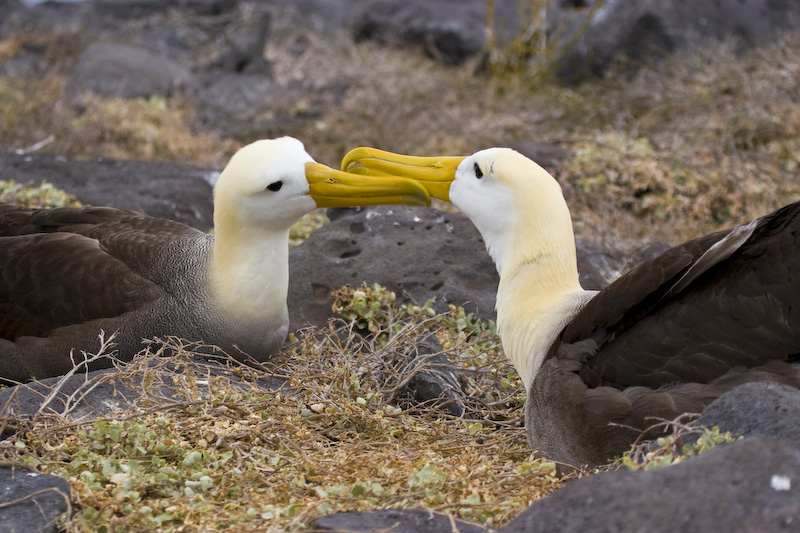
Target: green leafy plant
column 45, row 195
column 372, row 308
column 301, row 229
column 367, row 307
column 670, row 449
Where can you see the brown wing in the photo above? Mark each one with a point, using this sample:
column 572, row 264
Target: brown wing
column 70, row 265
column 126, row 235
column 740, row 311
column 670, row 337
column 574, row 424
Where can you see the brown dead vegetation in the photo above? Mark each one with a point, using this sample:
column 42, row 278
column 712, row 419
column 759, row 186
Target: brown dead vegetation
column 701, row 141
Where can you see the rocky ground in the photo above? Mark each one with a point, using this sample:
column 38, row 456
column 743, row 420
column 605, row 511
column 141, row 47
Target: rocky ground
column 129, row 104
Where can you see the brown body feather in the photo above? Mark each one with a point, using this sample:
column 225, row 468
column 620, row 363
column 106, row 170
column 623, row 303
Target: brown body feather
column 67, row 274
column 654, row 345
column 665, row 339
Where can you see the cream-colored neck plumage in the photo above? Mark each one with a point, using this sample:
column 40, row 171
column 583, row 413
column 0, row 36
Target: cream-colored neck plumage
column 538, row 295
column 534, row 251
column 250, row 271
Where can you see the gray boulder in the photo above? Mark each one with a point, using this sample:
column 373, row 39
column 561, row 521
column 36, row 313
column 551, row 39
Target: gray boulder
column 396, row 521
column 646, row 29
column 418, row 253
column 435, row 382
column 749, row 485
column 132, row 9
column 757, row 410
column 31, row 502
column 177, row 192
column 451, row 35
column 250, row 106
column 122, row 71
column 230, row 101
column 245, row 52
column 47, row 17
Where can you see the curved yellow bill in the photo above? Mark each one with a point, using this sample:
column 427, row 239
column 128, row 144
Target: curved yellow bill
column 334, row 188
column 434, row 173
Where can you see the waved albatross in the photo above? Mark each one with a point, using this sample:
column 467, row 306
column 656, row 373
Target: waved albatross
column 66, row 274
column 664, row 339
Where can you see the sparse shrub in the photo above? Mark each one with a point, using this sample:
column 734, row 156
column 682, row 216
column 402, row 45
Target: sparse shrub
column 372, row 309
column 671, row 449
column 45, row 195
column 368, row 307
column 336, row 438
column 532, row 52
column 301, row 229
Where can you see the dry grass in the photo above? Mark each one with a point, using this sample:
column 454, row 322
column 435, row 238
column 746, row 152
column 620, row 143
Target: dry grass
column 341, row 435
column 700, row 141
column 32, row 116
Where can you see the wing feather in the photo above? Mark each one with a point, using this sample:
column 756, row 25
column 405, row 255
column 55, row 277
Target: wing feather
column 653, row 328
column 67, row 266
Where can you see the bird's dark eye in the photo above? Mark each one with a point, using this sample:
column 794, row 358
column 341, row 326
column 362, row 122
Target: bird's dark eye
column 478, row 171
column 274, row 187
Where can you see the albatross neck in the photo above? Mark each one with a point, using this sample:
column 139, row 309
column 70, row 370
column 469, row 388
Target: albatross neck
column 250, row 272
column 539, row 291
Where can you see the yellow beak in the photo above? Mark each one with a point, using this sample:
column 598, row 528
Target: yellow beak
column 435, row 174
column 334, row 188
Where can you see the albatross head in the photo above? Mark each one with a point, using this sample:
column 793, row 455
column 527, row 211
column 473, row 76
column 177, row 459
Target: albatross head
column 521, row 213
column 266, row 187
column 272, row 183
column 510, row 199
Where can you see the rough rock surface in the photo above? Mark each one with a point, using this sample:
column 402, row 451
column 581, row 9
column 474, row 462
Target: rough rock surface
column 31, row 513
column 90, row 395
column 750, row 485
column 122, row 71
column 396, row 521
column 418, row 253
column 651, row 28
column 757, row 410
column 178, row 192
